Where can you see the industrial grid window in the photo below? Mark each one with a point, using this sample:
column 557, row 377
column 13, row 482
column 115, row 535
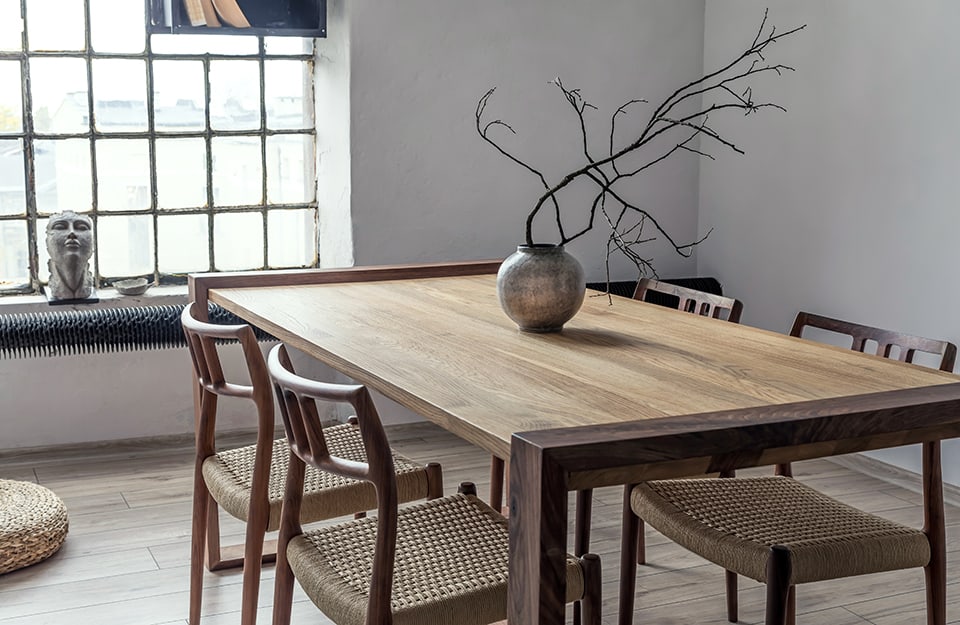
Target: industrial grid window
column 189, row 152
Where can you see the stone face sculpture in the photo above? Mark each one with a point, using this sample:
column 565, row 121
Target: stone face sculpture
column 70, row 245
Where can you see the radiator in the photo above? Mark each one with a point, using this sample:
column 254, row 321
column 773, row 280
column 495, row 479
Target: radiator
column 66, row 332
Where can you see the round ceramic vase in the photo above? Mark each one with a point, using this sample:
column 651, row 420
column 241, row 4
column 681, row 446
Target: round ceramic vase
column 541, row 287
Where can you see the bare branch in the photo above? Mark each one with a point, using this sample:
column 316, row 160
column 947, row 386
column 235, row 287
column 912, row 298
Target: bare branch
column 722, row 91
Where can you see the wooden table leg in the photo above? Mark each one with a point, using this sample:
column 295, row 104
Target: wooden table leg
column 538, row 538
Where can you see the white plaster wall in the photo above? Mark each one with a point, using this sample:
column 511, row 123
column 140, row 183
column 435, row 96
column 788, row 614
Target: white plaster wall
column 84, row 398
column 426, row 187
column 846, row 204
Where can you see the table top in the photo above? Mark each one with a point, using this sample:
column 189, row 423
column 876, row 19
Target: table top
column 443, row 348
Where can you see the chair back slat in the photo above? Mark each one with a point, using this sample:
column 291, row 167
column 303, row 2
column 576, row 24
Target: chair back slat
column 692, row 300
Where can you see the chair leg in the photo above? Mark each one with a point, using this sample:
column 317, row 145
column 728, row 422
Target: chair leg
column 496, row 483
column 251, row 572
column 935, row 578
column 641, row 541
column 257, row 521
column 581, row 531
column 581, row 534
column 628, row 562
column 935, row 573
column 592, row 589
column 732, row 599
column 792, row 606
column 289, row 527
column 215, row 559
column 282, row 587
column 434, row 480
column 778, row 585
column 198, row 541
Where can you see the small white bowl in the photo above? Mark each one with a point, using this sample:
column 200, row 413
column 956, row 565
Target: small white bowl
column 135, row 286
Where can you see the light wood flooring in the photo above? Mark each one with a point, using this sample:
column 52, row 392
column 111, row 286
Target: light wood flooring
column 125, row 561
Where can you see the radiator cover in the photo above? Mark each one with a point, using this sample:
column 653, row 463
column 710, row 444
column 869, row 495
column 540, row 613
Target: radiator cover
column 66, row 332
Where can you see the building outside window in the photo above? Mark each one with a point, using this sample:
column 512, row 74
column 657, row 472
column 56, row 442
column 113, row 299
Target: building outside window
column 190, row 152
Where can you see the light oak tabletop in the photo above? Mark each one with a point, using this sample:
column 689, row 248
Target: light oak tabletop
column 443, row 348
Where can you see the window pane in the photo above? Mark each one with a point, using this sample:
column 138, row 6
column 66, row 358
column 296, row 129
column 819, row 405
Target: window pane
column 125, row 245
column 202, row 44
column 234, row 95
column 59, row 89
column 120, row 90
column 288, row 45
column 13, row 199
column 14, row 255
column 11, row 27
column 286, row 82
column 123, row 174
column 181, row 173
column 290, row 178
column 55, row 24
column 63, row 176
column 237, row 175
column 117, row 26
column 183, row 243
column 238, row 241
column 291, row 238
column 178, row 95
column 11, row 107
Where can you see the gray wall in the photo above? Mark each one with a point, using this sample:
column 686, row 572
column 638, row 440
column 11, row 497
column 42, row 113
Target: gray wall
column 426, row 187
column 846, row 204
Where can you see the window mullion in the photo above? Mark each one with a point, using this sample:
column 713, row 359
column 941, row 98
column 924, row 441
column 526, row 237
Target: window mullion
column 33, row 236
column 152, row 157
column 91, row 137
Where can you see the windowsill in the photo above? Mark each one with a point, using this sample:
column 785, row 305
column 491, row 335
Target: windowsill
column 109, row 298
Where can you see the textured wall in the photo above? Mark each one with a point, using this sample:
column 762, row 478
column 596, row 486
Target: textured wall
column 846, row 204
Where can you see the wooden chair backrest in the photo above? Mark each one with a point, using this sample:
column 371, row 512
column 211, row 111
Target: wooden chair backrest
column 204, row 341
column 906, row 345
column 692, row 300
column 298, row 399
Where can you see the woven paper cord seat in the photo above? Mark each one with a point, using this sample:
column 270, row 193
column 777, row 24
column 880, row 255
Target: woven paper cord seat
column 33, row 524
column 734, row 523
column 229, row 476
column 450, row 548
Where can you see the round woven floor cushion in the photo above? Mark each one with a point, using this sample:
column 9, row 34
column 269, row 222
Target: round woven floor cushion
column 33, row 524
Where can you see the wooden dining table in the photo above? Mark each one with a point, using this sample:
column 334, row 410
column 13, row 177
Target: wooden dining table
column 627, row 392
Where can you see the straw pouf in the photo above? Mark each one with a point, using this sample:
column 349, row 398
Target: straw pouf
column 33, row 524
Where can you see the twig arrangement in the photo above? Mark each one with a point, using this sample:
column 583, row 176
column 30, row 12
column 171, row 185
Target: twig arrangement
column 717, row 92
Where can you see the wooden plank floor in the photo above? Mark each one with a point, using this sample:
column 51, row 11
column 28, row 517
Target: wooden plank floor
column 125, row 561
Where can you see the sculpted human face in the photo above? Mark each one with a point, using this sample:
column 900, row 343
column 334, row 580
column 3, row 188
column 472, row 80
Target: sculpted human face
column 69, row 234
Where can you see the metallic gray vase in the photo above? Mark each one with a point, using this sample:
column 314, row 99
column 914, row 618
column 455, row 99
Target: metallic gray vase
column 541, row 287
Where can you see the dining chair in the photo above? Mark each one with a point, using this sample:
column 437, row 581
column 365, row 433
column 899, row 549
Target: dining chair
column 688, row 300
column 433, row 563
column 776, row 530
column 247, row 482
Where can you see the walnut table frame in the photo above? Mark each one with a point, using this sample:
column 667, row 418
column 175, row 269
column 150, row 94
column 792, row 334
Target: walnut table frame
column 626, row 393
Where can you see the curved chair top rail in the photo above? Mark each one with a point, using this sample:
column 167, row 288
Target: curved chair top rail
column 204, row 340
column 692, row 300
column 886, row 340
